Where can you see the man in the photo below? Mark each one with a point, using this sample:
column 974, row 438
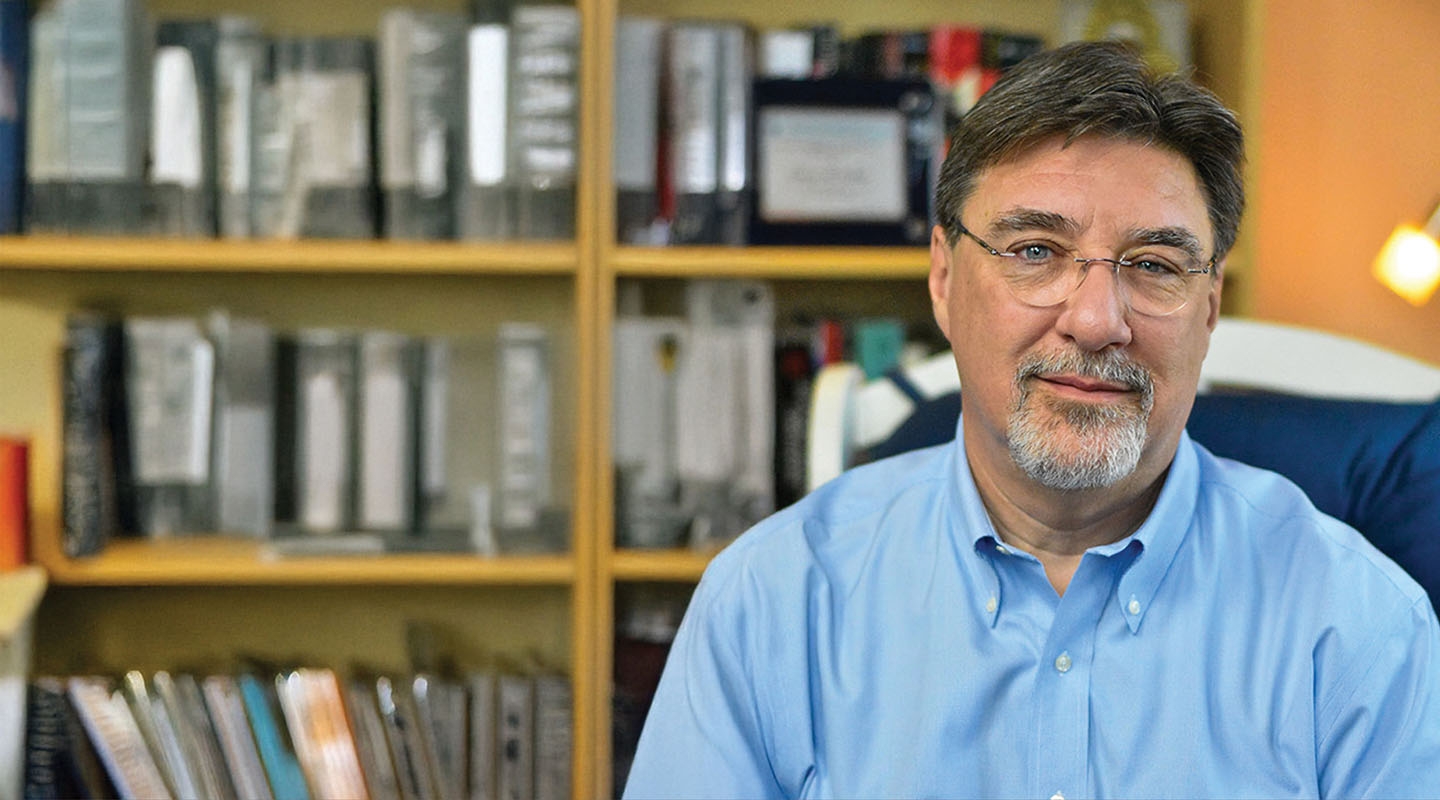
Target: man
column 1072, row 599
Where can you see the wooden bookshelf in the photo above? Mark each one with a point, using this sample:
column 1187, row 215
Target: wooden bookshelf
column 308, row 256
column 670, row 566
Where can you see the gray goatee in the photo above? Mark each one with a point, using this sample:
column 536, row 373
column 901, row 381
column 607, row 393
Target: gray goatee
column 1069, row 445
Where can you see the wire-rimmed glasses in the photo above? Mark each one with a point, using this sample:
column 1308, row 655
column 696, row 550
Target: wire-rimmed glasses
column 1043, row 273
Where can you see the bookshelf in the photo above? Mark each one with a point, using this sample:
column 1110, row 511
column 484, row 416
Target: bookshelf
column 158, row 605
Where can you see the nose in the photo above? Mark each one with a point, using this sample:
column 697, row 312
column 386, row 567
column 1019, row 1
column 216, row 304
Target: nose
column 1095, row 316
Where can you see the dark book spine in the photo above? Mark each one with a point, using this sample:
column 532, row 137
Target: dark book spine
column 14, row 74
column 59, row 759
column 88, row 496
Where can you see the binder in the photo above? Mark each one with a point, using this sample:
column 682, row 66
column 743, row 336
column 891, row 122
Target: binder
column 637, row 127
column 182, row 198
column 14, row 73
column 486, row 204
column 387, row 438
column 544, row 103
column 244, row 432
column 240, row 55
column 325, row 430
column 421, row 97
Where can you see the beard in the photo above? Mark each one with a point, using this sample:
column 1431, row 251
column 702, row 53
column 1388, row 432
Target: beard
column 1069, row 445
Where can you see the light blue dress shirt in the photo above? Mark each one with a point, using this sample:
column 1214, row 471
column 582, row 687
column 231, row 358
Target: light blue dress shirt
column 876, row 640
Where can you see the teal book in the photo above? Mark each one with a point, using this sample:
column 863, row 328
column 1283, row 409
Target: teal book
column 272, row 738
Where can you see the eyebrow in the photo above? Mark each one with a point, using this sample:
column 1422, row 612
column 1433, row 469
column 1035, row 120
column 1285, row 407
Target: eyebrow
column 1169, row 236
column 1019, row 220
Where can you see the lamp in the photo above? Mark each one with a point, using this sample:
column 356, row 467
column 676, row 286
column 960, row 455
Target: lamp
column 1409, row 263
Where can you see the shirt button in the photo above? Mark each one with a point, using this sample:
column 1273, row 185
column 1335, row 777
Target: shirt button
column 1001, row 549
column 991, row 605
column 1057, row 796
column 1134, row 607
column 1062, row 662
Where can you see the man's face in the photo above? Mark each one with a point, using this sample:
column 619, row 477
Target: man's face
column 1087, row 393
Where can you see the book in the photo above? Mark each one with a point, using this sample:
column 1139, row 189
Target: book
column 159, row 731
column 315, row 716
column 554, row 738
column 486, row 202
column 93, row 63
column 524, row 457
column 226, row 707
column 381, row 780
column 324, row 469
column 725, row 396
column 240, row 54
column 692, row 132
column 736, row 105
column 421, row 100
column 318, row 140
column 544, row 110
column 58, row 761
column 647, row 352
column 14, row 75
column 386, row 407
column 414, row 764
column 14, row 502
column 180, row 699
column 480, row 686
column 440, row 707
column 169, row 384
column 272, row 738
column 515, row 773
column 113, row 730
column 182, row 175
column 457, row 441
column 95, row 455
column 637, row 126
column 243, row 449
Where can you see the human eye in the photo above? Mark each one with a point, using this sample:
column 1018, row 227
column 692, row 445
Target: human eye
column 1035, row 253
column 1156, row 265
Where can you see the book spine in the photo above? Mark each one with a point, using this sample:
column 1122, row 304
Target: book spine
column 486, row 205
column 421, row 103
column 387, row 440
column 240, row 53
column 272, row 739
column 515, row 778
column 14, row 75
column 88, row 491
column 736, row 106
column 182, row 130
column 237, row 744
column 524, row 432
column 14, row 503
column 112, row 727
column 693, row 128
column 554, row 739
column 545, row 97
column 637, row 126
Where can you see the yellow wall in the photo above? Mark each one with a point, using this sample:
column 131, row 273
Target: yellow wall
column 1348, row 146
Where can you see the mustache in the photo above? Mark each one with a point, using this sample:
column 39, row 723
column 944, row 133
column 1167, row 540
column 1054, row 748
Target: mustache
column 1110, row 366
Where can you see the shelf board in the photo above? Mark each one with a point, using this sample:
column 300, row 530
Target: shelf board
column 677, row 565
column 829, row 263
column 213, row 560
column 79, row 253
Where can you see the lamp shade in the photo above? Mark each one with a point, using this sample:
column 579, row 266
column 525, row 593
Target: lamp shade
column 1409, row 264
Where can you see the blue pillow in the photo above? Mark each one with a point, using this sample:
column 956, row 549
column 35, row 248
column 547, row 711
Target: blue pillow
column 1374, row 465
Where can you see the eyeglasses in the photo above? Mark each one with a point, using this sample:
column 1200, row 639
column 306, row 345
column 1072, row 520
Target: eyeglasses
column 1043, row 273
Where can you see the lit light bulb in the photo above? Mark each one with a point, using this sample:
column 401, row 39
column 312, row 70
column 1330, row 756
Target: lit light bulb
column 1409, row 264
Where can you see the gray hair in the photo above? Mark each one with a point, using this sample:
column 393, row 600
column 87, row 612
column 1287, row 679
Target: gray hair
column 1098, row 88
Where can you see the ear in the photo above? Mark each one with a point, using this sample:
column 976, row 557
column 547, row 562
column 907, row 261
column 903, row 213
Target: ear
column 1217, row 286
column 941, row 273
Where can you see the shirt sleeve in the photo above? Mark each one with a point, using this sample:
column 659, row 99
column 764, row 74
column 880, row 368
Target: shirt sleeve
column 705, row 733
column 1381, row 738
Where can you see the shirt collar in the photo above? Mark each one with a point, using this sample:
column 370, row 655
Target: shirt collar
column 1158, row 537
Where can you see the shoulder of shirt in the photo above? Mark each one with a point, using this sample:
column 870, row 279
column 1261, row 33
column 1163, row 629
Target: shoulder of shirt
column 1282, row 516
column 842, row 515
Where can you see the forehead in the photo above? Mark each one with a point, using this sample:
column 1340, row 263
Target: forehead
column 1095, row 181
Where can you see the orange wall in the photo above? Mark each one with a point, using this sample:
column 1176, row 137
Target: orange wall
column 1348, row 146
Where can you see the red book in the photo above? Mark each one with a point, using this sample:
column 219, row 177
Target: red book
column 14, row 503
